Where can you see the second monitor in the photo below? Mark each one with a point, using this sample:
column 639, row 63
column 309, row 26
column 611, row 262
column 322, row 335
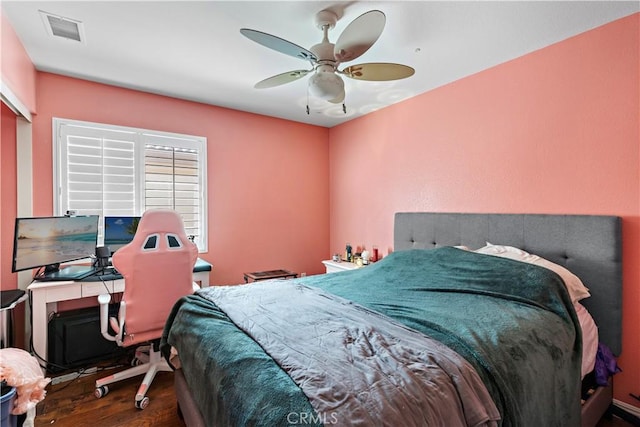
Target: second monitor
column 119, row 230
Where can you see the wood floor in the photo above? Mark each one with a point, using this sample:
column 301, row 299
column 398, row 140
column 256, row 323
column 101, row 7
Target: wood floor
column 73, row 404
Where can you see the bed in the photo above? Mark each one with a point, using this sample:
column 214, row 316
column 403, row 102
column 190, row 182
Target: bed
column 503, row 353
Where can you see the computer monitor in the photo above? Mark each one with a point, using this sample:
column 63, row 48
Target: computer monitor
column 50, row 241
column 119, row 230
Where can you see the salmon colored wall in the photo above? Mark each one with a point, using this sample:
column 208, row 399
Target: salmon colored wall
column 555, row 131
column 8, row 207
column 267, row 178
column 18, row 73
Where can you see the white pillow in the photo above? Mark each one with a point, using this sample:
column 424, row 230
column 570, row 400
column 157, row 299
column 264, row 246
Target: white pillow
column 574, row 285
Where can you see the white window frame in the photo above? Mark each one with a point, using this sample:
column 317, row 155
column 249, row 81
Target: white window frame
column 141, row 137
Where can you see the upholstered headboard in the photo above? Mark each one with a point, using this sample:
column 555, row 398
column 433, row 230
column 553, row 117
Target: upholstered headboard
column 588, row 245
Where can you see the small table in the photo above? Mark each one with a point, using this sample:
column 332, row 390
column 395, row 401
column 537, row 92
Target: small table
column 8, row 301
column 271, row 274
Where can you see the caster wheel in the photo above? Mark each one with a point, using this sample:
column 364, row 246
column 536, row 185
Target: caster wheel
column 141, row 404
column 101, row 391
column 136, row 362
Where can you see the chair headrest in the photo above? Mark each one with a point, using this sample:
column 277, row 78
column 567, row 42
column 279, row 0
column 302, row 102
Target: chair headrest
column 160, row 221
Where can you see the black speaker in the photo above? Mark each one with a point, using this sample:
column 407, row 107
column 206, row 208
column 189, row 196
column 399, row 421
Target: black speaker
column 102, row 256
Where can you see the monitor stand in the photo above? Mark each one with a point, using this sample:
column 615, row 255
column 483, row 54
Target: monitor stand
column 51, row 268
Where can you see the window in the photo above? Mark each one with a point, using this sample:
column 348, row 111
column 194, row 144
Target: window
column 119, row 171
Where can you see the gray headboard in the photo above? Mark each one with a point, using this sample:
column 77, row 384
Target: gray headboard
column 588, row 245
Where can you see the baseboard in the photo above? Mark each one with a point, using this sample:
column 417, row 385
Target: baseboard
column 634, row 410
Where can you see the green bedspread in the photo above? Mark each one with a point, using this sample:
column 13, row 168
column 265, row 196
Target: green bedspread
column 513, row 322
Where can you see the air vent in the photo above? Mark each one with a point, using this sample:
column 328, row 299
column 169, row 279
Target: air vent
column 60, row 26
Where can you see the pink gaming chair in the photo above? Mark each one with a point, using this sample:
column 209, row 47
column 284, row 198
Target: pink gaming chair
column 157, row 267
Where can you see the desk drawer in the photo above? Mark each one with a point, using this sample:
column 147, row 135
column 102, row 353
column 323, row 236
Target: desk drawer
column 93, row 289
column 62, row 293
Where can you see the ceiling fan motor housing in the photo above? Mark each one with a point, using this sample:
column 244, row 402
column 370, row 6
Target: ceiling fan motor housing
column 324, row 52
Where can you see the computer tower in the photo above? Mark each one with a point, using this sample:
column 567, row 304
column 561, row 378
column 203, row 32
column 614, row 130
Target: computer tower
column 75, row 339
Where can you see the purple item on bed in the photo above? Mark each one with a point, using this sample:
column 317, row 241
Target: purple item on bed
column 606, row 365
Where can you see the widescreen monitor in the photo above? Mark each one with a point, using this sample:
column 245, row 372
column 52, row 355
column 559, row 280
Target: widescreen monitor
column 119, row 230
column 51, row 241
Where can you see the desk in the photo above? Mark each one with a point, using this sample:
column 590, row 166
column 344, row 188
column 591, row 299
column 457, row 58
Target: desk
column 46, row 295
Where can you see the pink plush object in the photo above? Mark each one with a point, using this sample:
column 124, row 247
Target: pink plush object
column 22, row 371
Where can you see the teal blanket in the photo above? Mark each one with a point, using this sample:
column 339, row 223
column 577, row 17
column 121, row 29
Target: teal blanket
column 513, row 322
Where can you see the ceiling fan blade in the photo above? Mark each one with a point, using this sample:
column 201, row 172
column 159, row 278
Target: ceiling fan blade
column 378, row 71
column 276, row 43
column 338, row 99
column 359, row 36
column 281, row 79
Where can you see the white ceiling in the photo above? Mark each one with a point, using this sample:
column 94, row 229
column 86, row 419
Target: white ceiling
column 194, row 50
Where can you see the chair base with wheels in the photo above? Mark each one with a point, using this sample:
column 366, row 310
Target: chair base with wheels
column 156, row 363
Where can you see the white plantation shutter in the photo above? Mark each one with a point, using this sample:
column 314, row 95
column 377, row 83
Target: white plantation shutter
column 100, row 176
column 172, row 171
column 117, row 171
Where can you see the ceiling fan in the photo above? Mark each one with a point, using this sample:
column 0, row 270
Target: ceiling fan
column 325, row 57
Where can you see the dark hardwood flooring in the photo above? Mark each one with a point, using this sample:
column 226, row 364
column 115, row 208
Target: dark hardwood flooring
column 614, row 422
column 73, row 404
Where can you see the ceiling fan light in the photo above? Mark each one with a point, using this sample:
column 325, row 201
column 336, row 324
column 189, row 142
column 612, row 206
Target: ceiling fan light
column 326, row 86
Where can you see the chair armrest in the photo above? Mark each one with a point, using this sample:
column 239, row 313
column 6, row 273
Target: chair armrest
column 121, row 316
column 104, row 300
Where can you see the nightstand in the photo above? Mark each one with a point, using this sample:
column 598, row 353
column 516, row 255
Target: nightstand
column 334, row 267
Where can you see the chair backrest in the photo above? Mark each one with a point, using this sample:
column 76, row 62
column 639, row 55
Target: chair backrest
column 157, row 266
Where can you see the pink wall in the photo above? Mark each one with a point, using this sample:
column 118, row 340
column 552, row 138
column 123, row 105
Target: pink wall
column 18, row 73
column 268, row 179
column 8, row 207
column 19, row 76
column 555, row 131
